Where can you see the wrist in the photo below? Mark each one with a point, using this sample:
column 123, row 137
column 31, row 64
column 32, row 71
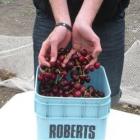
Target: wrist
column 84, row 22
column 82, row 19
column 63, row 20
column 60, row 11
column 67, row 26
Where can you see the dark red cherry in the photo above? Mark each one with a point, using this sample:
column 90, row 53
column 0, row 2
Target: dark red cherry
column 77, row 93
column 87, row 94
column 97, row 65
column 77, row 86
column 84, row 52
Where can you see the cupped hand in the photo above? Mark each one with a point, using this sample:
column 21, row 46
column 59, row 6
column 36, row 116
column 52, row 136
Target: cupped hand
column 58, row 38
column 83, row 37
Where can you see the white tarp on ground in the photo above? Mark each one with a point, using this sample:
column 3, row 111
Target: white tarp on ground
column 16, row 56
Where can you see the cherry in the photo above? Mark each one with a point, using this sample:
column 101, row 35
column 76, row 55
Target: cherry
column 40, row 77
column 70, row 64
column 100, row 94
column 75, row 77
column 77, row 93
column 85, row 62
column 43, row 67
column 60, row 92
column 84, row 52
column 64, row 83
column 55, row 90
column 61, row 58
column 61, row 51
column 71, row 83
column 77, row 86
column 83, row 88
column 66, row 94
column 97, row 65
column 52, row 76
column 63, row 74
column 91, row 89
column 87, row 79
column 52, row 64
column 86, row 71
column 58, row 63
column 87, row 94
column 66, row 88
column 70, row 95
column 91, row 68
column 75, row 56
column 50, row 94
column 74, row 72
column 83, row 77
column 82, row 59
column 47, row 75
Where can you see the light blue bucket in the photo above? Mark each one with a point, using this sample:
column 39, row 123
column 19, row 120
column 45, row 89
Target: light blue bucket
column 70, row 118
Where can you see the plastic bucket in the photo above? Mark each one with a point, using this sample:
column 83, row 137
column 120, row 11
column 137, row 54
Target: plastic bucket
column 70, row 118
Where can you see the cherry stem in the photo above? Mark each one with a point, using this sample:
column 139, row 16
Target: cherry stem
column 60, row 78
column 57, row 79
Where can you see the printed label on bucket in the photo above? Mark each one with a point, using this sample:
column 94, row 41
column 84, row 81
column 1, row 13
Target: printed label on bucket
column 71, row 131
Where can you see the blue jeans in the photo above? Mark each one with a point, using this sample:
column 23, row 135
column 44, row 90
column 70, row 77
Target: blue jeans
column 111, row 34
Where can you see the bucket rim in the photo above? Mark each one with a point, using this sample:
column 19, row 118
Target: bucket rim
column 73, row 98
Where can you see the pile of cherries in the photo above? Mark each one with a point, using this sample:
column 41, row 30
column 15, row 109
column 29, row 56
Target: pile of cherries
column 68, row 81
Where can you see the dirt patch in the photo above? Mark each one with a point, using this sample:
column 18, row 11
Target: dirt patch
column 6, row 94
column 17, row 17
column 5, row 74
column 127, row 108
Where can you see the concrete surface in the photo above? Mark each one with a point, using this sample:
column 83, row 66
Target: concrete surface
column 18, row 121
column 131, row 75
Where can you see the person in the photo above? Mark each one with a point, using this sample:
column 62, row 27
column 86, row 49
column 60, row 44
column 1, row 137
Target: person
column 98, row 26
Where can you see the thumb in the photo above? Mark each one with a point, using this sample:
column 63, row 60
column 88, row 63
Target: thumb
column 54, row 53
column 68, row 57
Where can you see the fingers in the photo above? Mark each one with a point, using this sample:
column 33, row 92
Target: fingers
column 91, row 63
column 96, row 48
column 68, row 57
column 95, row 54
column 54, row 50
column 46, row 45
column 42, row 54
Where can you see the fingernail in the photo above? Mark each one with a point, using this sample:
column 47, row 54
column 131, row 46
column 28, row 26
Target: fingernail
column 53, row 59
column 63, row 65
column 86, row 67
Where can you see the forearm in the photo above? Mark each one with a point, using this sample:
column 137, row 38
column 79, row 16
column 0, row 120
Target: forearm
column 89, row 10
column 60, row 11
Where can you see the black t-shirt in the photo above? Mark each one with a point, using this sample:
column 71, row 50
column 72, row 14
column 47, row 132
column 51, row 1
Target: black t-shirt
column 110, row 8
